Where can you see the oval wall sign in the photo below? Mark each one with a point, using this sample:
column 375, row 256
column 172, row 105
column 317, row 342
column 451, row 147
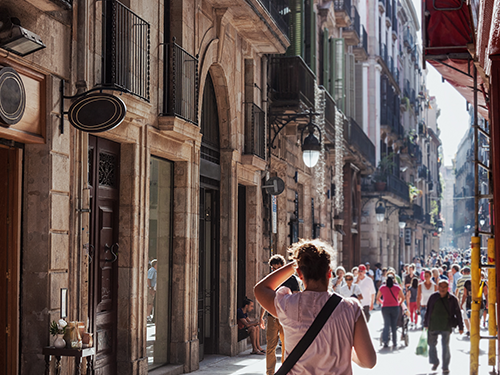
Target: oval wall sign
column 12, row 97
column 96, row 113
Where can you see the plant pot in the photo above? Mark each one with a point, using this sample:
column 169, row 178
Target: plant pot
column 59, row 342
column 380, row 186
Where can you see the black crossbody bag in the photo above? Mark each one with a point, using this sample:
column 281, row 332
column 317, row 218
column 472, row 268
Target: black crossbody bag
column 310, row 335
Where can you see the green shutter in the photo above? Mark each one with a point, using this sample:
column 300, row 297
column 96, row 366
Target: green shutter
column 338, row 67
column 326, row 61
column 350, row 85
column 358, row 73
column 331, row 78
column 312, row 40
column 296, row 29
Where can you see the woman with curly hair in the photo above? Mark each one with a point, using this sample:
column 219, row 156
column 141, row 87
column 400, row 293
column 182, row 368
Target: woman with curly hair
column 332, row 349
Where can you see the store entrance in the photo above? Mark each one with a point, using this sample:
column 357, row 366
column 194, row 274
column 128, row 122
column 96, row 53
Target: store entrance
column 104, row 177
column 10, row 230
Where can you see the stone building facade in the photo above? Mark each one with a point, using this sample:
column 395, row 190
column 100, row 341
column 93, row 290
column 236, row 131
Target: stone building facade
column 397, row 122
column 158, row 227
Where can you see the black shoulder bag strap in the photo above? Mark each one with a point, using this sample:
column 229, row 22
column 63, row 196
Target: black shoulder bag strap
column 310, row 335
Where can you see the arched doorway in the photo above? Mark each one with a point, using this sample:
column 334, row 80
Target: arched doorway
column 208, row 276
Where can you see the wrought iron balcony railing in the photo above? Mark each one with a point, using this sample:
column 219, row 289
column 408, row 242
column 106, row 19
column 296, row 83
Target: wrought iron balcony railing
column 330, row 117
column 126, row 47
column 356, row 137
column 342, row 6
column 291, row 82
column 255, row 131
column 418, row 212
column 398, row 187
column 277, row 9
column 361, row 49
column 181, row 88
column 355, row 23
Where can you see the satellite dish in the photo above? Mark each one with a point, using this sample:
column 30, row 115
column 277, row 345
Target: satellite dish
column 274, row 186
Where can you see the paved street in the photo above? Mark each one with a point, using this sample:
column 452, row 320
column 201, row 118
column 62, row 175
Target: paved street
column 400, row 361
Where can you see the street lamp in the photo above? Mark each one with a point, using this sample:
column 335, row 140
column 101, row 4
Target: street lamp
column 311, row 146
column 380, row 211
column 402, row 220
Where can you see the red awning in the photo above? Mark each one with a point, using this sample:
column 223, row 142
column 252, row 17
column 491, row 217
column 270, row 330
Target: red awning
column 447, row 32
column 459, row 73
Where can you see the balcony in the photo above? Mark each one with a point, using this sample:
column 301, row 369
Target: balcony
column 181, row 84
column 358, row 141
column 255, row 131
column 398, row 187
column 329, row 119
column 361, row 49
column 261, row 22
column 423, row 172
column 395, row 22
column 408, row 40
column 388, row 13
column 381, row 6
column 352, row 33
column 125, row 46
column 342, row 12
column 291, row 83
column 418, row 213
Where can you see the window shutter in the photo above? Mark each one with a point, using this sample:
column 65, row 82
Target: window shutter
column 358, row 114
column 326, row 61
column 339, row 73
column 297, row 29
column 350, row 83
column 310, row 35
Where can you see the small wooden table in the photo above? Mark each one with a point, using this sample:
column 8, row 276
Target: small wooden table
column 88, row 353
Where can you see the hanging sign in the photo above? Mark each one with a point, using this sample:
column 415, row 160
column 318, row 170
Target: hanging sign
column 12, row 97
column 274, row 204
column 98, row 112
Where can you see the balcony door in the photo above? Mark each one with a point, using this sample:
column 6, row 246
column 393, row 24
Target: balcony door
column 104, row 161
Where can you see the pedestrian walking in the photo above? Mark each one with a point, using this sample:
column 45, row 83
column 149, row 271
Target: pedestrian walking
column 331, row 350
column 442, row 315
column 274, row 330
column 367, row 290
column 411, row 301
column 350, row 289
column 390, row 296
column 425, row 290
column 338, row 281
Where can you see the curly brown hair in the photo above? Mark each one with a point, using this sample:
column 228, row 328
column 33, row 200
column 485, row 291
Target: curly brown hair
column 313, row 258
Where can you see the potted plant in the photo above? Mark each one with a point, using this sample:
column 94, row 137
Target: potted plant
column 385, row 166
column 414, row 192
column 58, row 329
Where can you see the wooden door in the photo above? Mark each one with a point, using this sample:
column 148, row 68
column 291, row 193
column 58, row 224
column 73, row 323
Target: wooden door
column 104, row 161
column 10, row 228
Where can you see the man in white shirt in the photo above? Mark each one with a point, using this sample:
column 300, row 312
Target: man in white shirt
column 367, row 290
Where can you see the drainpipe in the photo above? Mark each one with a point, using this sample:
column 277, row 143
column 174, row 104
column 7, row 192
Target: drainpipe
column 81, row 140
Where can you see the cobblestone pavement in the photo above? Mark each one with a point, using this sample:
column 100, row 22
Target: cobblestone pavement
column 401, row 360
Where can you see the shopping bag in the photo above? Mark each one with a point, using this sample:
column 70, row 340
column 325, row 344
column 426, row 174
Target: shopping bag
column 422, row 344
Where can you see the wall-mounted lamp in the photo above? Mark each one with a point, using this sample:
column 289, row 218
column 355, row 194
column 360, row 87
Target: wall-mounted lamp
column 311, row 146
column 380, row 211
column 19, row 40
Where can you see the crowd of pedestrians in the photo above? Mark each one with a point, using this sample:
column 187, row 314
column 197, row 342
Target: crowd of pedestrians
column 434, row 293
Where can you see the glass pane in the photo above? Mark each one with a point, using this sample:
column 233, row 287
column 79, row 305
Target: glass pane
column 160, row 248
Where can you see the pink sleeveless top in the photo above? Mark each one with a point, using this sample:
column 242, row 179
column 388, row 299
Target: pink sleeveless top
column 330, row 352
